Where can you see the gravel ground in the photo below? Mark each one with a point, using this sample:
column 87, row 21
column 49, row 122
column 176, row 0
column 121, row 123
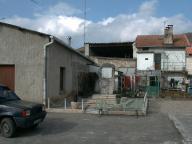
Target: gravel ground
column 156, row 128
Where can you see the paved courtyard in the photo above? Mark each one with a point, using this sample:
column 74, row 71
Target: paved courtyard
column 180, row 112
column 156, row 128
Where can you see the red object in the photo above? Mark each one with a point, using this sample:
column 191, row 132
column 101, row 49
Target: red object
column 24, row 114
column 127, row 82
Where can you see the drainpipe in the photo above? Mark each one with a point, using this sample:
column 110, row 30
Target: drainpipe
column 51, row 40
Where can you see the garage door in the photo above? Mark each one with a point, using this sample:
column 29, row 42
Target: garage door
column 7, row 76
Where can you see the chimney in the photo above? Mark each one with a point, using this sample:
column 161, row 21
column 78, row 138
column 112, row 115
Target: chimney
column 168, row 35
column 69, row 40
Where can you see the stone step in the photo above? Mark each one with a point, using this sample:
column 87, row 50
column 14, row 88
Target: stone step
column 91, row 101
column 103, row 96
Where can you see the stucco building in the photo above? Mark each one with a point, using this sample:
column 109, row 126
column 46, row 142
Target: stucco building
column 37, row 65
column 163, row 56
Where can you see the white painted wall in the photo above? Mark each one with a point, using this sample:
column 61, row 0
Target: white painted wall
column 106, row 72
column 189, row 65
column 145, row 61
column 173, row 60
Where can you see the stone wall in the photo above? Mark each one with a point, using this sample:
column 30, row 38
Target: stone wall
column 117, row 62
column 107, row 86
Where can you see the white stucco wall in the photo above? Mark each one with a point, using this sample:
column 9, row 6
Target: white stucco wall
column 134, row 50
column 145, row 61
column 189, row 65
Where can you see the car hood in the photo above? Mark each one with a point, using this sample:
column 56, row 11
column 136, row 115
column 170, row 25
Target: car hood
column 22, row 104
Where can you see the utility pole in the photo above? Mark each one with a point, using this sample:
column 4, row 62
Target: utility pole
column 85, row 14
column 69, row 38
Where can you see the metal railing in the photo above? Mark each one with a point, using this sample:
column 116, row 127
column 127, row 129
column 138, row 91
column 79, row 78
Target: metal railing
column 66, row 105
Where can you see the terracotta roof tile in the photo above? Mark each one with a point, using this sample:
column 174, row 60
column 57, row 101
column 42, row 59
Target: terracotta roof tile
column 157, row 41
column 189, row 36
column 189, row 50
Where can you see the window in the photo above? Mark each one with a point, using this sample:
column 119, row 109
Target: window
column 146, row 59
column 152, row 81
column 62, row 78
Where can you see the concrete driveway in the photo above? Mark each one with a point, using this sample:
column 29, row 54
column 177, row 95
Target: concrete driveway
column 156, row 128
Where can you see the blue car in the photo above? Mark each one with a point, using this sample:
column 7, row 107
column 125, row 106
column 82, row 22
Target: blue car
column 16, row 113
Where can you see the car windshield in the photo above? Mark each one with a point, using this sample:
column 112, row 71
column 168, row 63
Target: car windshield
column 7, row 95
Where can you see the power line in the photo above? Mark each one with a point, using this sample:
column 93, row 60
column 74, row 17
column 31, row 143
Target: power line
column 35, row 2
column 3, row 18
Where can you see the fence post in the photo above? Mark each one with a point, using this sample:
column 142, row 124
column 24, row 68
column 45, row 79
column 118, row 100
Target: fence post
column 82, row 104
column 48, row 102
column 65, row 104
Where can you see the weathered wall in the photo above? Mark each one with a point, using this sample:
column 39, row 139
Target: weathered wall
column 107, row 85
column 117, row 62
column 173, row 60
column 189, row 65
column 24, row 50
column 58, row 56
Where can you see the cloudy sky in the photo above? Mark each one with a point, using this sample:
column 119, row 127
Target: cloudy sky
column 106, row 20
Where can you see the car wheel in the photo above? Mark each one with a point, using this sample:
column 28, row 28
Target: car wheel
column 7, row 127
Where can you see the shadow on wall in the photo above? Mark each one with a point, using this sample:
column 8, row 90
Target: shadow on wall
column 86, row 84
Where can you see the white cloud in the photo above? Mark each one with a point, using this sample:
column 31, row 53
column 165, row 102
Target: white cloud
column 148, row 8
column 107, row 21
column 62, row 8
column 124, row 27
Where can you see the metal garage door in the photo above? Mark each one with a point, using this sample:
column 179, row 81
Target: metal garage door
column 7, row 76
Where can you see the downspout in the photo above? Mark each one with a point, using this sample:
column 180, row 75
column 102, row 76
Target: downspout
column 51, row 40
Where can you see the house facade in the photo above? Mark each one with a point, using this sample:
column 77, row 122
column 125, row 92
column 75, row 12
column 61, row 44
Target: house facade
column 37, row 65
column 164, row 56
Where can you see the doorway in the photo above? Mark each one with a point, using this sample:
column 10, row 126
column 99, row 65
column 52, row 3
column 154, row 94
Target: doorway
column 7, row 76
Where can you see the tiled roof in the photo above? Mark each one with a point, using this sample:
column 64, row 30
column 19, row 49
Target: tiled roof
column 157, row 41
column 189, row 50
column 189, row 36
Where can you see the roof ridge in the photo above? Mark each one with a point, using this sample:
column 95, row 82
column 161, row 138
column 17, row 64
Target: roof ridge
column 23, row 28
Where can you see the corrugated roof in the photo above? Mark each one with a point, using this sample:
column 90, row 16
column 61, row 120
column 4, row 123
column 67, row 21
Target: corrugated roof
column 114, row 44
column 157, row 41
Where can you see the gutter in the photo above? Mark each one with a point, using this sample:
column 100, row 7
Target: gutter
column 45, row 68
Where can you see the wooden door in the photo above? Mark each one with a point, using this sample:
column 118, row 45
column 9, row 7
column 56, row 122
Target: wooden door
column 7, row 76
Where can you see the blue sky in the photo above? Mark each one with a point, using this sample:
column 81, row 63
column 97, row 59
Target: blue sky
column 107, row 20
